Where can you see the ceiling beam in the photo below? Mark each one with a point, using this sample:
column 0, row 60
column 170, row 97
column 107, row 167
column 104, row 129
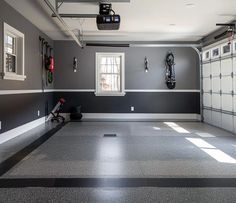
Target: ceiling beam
column 76, row 15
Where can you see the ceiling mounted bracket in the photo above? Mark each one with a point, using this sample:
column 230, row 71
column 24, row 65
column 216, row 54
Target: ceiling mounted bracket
column 58, row 4
column 62, row 22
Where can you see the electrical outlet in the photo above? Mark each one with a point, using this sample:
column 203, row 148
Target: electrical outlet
column 132, row 108
column 38, row 113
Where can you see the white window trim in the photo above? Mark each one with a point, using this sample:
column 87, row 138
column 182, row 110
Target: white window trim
column 13, row 32
column 122, row 83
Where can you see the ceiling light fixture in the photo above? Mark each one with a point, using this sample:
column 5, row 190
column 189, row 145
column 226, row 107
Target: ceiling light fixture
column 190, row 5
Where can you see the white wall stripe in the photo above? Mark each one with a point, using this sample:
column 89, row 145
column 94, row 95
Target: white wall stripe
column 163, row 90
column 74, row 90
column 9, row 92
column 4, row 137
column 139, row 117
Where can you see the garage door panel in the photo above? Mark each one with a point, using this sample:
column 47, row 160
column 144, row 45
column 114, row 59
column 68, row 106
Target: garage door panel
column 206, row 70
column 234, row 103
column 234, row 84
column 216, row 84
column 227, row 122
column 234, row 124
column 227, row 103
column 216, row 101
column 227, row 84
column 206, row 84
column 215, row 68
column 207, row 100
column 226, row 66
column 234, row 65
column 207, row 116
column 216, row 119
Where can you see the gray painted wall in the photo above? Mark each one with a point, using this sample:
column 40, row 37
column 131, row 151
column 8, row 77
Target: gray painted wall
column 187, row 69
column 16, row 110
column 32, row 50
column 187, row 75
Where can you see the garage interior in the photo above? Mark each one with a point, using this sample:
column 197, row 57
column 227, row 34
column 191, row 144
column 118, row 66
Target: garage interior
column 117, row 101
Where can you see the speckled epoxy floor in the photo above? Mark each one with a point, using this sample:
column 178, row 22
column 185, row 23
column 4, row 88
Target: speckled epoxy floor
column 124, row 195
column 141, row 149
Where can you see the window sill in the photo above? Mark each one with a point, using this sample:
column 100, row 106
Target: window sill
column 108, row 94
column 14, row 77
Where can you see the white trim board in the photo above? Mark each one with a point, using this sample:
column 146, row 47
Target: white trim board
column 74, row 90
column 8, row 135
column 160, row 90
column 9, row 92
column 139, row 117
column 127, row 90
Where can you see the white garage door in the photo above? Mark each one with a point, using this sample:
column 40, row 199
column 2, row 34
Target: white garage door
column 219, row 92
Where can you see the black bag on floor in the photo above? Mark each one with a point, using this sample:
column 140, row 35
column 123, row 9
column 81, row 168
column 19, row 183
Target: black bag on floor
column 76, row 114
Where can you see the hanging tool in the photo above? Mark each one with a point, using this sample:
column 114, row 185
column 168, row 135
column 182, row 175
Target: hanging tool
column 170, row 70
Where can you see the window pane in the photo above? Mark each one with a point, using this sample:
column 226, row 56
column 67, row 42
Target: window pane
column 10, row 63
column 226, row 49
column 110, row 82
column 10, row 44
column 116, row 69
column 10, row 40
column 106, row 69
column 9, row 50
column 117, row 60
column 110, row 65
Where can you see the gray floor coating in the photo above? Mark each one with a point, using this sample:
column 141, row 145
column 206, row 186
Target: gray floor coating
column 111, row 195
column 141, row 149
column 12, row 146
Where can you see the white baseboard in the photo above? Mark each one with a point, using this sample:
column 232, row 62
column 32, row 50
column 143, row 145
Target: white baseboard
column 139, row 117
column 6, row 136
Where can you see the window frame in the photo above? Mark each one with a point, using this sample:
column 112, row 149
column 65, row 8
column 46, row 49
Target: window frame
column 222, row 49
column 219, row 52
column 11, row 31
column 98, row 92
column 204, row 55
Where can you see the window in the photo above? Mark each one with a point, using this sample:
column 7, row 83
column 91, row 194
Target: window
column 110, row 79
column 226, row 49
column 215, row 53
column 13, row 67
column 206, row 55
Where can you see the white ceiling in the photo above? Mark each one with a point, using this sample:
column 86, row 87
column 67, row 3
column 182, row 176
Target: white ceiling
column 142, row 20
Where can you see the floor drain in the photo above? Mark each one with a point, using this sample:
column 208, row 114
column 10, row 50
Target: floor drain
column 110, row 135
